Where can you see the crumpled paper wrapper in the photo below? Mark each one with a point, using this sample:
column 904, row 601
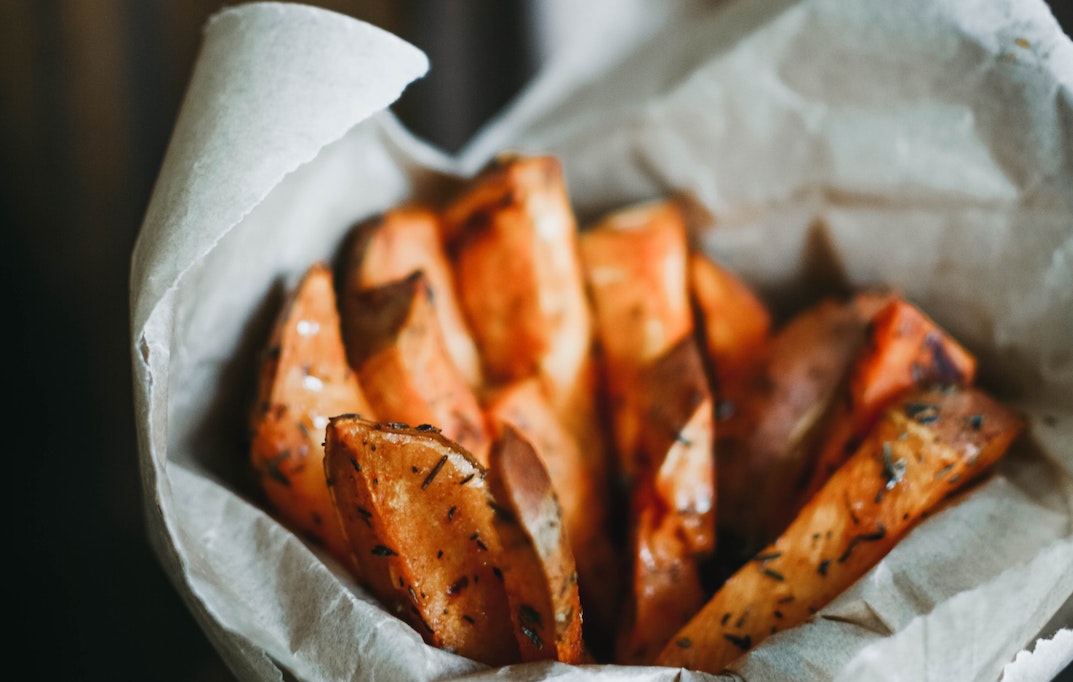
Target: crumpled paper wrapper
column 924, row 144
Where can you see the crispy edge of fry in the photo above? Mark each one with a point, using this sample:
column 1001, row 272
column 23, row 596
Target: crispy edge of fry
column 304, row 380
column 904, row 468
column 394, row 341
column 583, row 495
column 398, row 242
column 537, row 560
column 417, row 510
column 905, row 349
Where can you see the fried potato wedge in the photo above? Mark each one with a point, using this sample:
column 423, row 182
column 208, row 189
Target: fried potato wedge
column 905, row 349
column 635, row 263
column 672, row 501
column 581, row 493
column 513, row 246
column 537, row 561
column 394, row 341
column 770, row 422
column 418, row 514
column 304, row 380
column 734, row 322
column 923, row 449
column 399, row 242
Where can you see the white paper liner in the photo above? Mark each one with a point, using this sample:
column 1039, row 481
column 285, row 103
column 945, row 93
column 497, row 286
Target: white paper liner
column 923, row 144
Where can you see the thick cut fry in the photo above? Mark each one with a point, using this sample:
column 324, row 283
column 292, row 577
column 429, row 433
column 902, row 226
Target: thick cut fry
column 513, row 246
column 635, row 265
column 398, row 243
column 733, row 320
column 537, row 561
column 905, row 349
column 418, row 514
column 771, row 421
column 524, row 407
column 515, row 261
column 673, row 501
column 305, row 379
column 923, row 449
column 393, row 339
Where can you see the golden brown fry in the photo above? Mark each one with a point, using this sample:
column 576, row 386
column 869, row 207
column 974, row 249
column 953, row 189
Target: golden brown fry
column 922, row 450
column 398, row 243
column 537, row 561
column 583, row 499
column 735, row 322
column 305, row 379
column 393, row 339
column 418, row 514
column 515, row 262
column 635, row 265
column 905, row 349
column 771, row 421
column 672, row 500
column 512, row 241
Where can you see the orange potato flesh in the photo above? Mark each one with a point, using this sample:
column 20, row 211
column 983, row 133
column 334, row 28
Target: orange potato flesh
column 394, row 340
column 635, row 266
column 581, row 493
column 399, row 242
column 771, row 420
column 418, row 514
column 905, row 349
column 305, row 379
column 734, row 321
column 923, row 449
column 672, row 499
column 537, row 561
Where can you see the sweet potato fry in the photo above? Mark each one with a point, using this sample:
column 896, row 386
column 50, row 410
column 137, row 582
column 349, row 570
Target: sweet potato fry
column 770, row 422
column 513, row 246
column 305, row 379
column 672, row 500
column 734, row 322
column 522, row 406
column 635, row 266
column 537, row 561
column 399, row 242
column 904, row 349
column 418, row 513
column 393, row 339
column 514, row 256
column 923, row 449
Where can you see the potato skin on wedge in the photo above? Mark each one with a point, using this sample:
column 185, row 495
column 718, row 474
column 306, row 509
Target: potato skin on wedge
column 418, row 514
column 537, row 561
column 904, row 350
column 305, row 379
column 523, row 407
column 771, row 421
column 922, row 450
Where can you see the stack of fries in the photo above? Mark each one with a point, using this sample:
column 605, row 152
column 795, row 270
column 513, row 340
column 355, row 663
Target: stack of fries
column 531, row 441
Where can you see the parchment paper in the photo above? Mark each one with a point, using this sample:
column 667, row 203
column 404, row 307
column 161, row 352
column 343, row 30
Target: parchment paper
column 924, row 144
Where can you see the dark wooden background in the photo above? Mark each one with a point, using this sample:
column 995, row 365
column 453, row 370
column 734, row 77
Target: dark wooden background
column 89, row 91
